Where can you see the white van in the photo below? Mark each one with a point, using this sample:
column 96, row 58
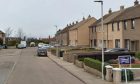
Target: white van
column 24, row 43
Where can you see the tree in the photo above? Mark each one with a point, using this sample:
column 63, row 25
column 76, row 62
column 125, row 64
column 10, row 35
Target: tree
column 20, row 33
column 8, row 33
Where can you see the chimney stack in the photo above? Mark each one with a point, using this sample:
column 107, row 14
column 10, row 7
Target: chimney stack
column 136, row 3
column 89, row 16
column 121, row 7
column 83, row 18
column 110, row 11
column 73, row 23
column 67, row 25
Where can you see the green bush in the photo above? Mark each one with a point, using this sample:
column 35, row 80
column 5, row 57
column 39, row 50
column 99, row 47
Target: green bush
column 113, row 61
column 137, row 54
column 53, row 50
column 93, row 63
column 130, row 76
column 96, row 64
column 81, row 59
column 12, row 43
column 89, row 49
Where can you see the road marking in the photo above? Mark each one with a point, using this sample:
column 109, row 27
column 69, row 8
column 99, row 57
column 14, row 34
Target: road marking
column 11, row 71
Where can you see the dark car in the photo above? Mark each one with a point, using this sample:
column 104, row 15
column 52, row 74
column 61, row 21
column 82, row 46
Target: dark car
column 4, row 46
column 1, row 47
column 117, row 50
column 42, row 51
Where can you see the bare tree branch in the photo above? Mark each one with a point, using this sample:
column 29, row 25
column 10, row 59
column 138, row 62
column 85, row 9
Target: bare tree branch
column 20, row 33
column 8, row 31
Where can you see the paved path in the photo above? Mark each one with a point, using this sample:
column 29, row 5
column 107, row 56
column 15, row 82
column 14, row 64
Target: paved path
column 8, row 58
column 78, row 72
column 30, row 69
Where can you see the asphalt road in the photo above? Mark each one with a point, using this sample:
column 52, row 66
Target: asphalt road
column 22, row 66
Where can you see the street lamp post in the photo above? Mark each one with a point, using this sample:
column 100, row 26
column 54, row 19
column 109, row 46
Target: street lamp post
column 56, row 41
column 100, row 1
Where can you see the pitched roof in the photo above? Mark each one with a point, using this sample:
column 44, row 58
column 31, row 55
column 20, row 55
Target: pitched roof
column 99, row 20
column 66, row 28
column 81, row 23
column 129, row 13
column 107, row 18
column 58, row 32
column 112, row 16
column 1, row 32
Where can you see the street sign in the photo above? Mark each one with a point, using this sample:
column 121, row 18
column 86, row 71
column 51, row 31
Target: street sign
column 126, row 59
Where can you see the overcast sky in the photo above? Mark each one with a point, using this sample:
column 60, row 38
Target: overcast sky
column 38, row 18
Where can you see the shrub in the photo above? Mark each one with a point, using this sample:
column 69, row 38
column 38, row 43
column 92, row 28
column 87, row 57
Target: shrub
column 96, row 64
column 53, row 50
column 137, row 54
column 81, row 59
column 12, row 43
column 130, row 76
column 113, row 61
column 93, row 63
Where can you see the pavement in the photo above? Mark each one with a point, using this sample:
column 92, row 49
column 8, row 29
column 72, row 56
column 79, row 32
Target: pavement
column 79, row 73
column 8, row 58
column 32, row 69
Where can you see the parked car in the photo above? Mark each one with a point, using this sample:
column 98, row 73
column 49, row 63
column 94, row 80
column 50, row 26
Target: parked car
column 20, row 46
column 4, row 46
column 40, row 45
column 1, row 47
column 51, row 46
column 45, row 46
column 42, row 51
column 117, row 50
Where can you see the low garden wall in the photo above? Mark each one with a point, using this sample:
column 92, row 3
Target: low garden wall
column 79, row 63
column 92, row 71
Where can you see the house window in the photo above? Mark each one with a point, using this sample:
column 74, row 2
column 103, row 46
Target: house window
column 91, row 43
column 132, row 24
column 92, row 29
column 117, row 43
column 95, row 28
column 125, row 24
column 118, row 26
column 127, row 43
column 112, row 26
column 95, row 42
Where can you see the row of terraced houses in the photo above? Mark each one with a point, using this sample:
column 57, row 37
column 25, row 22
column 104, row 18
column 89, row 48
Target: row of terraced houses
column 121, row 30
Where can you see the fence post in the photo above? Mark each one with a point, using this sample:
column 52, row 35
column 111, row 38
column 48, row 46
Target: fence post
column 117, row 75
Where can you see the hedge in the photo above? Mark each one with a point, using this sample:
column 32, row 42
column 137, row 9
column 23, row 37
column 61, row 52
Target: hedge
column 137, row 54
column 96, row 64
column 93, row 63
column 81, row 59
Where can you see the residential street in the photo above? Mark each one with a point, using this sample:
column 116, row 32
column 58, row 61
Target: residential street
column 22, row 66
